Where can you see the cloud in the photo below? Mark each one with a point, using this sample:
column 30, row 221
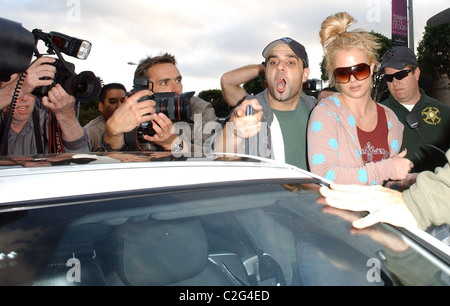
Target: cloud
column 207, row 37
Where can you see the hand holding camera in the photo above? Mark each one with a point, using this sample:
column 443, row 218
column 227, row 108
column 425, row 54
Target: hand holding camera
column 52, row 79
column 40, row 73
column 127, row 117
column 83, row 86
column 60, row 102
column 168, row 108
column 136, row 109
column 174, row 107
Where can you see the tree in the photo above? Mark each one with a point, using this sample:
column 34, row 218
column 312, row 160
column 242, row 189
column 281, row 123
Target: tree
column 215, row 97
column 380, row 90
column 433, row 53
column 88, row 111
column 256, row 85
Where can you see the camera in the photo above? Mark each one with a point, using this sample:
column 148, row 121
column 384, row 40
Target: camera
column 84, row 86
column 175, row 107
column 313, row 85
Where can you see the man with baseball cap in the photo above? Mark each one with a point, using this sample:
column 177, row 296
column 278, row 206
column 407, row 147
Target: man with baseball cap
column 298, row 49
column 276, row 128
column 426, row 120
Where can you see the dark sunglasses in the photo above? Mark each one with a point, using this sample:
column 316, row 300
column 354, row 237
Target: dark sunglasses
column 399, row 75
column 360, row 72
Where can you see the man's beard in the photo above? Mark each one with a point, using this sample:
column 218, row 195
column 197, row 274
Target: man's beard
column 283, row 97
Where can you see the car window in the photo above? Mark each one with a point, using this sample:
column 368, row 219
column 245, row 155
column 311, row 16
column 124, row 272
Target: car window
column 260, row 234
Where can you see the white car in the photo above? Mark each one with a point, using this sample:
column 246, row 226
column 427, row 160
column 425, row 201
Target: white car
column 152, row 219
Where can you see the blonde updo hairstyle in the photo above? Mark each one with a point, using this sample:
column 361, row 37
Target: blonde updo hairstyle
column 334, row 36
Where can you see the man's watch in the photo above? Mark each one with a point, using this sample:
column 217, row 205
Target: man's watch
column 107, row 148
column 177, row 147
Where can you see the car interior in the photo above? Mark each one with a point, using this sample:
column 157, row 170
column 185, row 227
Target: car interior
column 266, row 234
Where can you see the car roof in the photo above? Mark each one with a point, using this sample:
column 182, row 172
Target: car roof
column 54, row 179
column 55, row 176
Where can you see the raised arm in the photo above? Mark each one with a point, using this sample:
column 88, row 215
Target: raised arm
column 128, row 116
column 63, row 106
column 232, row 81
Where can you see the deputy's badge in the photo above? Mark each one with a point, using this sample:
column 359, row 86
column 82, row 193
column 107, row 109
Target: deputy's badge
column 431, row 115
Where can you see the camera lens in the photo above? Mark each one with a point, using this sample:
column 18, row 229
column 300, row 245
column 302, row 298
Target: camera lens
column 175, row 107
column 84, row 86
column 184, row 106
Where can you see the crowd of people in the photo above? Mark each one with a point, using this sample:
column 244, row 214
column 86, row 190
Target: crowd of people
column 345, row 136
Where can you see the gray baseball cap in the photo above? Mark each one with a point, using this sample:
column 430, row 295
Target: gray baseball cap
column 398, row 58
column 297, row 47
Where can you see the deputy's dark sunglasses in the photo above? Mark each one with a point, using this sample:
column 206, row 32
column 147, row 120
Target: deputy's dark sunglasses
column 360, row 72
column 399, row 75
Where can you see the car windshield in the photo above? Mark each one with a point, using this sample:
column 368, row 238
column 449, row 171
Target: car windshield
column 256, row 233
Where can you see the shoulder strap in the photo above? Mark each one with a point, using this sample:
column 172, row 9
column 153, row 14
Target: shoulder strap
column 55, row 138
column 37, row 132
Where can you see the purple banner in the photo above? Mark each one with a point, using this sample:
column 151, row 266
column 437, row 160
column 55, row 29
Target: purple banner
column 399, row 23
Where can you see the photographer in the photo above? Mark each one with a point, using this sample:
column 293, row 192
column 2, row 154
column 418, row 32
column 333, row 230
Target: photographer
column 111, row 97
column 163, row 77
column 35, row 119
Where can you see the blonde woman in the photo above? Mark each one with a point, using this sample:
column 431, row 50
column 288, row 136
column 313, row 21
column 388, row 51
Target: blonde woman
column 351, row 138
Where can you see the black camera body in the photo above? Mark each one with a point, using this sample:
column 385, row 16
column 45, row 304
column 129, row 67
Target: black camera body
column 175, row 107
column 84, row 86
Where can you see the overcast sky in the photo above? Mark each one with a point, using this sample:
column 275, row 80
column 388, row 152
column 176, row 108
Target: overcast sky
column 208, row 37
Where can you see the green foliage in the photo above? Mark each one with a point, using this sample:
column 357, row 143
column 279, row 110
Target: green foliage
column 88, row 111
column 214, row 96
column 323, row 70
column 221, row 107
column 386, row 44
column 256, row 85
column 380, row 89
column 433, row 52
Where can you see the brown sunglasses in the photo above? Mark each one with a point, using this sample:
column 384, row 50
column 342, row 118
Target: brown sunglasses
column 360, row 72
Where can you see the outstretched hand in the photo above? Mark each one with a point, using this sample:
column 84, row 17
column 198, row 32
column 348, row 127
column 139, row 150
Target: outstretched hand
column 383, row 204
column 244, row 125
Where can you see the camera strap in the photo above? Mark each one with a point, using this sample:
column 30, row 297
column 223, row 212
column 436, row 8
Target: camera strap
column 37, row 132
column 6, row 123
column 131, row 140
column 4, row 132
column 55, row 140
